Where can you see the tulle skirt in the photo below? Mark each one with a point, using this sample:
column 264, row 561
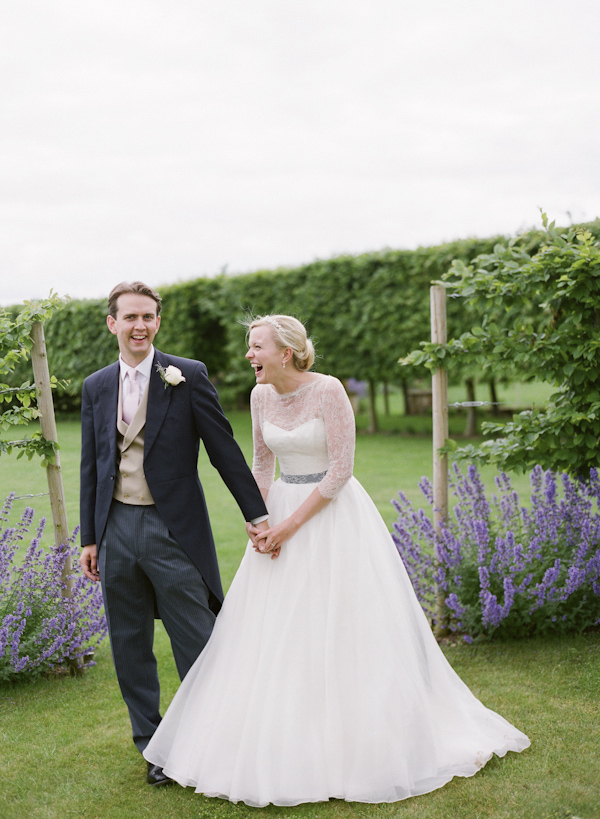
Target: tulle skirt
column 322, row 678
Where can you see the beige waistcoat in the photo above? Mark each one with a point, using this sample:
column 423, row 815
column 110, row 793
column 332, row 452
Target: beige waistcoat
column 130, row 483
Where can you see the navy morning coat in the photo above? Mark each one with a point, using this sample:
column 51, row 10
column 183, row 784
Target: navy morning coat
column 178, row 418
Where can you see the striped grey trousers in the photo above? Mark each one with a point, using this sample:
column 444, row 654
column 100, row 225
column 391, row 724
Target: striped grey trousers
column 144, row 571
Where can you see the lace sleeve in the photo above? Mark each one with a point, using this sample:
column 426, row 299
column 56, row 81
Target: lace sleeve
column 341, row 437
column 263, row 460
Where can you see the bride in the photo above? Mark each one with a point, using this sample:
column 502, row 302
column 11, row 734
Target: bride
column 322, row 678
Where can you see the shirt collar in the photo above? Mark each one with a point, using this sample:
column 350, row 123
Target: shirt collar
column 144, row 368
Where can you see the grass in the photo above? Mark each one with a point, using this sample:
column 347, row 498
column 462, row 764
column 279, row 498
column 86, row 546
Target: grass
column 65, row 748
column 64, row 742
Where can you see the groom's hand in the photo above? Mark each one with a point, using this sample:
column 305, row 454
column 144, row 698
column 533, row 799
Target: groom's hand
column 254, row 529
column 89, row 561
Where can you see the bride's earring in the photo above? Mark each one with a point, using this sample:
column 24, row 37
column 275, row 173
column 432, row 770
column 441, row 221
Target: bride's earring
column 283, row 365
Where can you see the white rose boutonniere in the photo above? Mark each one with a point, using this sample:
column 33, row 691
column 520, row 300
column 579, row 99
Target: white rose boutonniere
column 171, row 375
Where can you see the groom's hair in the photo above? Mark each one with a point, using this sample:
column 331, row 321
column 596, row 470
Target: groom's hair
column 132, row 287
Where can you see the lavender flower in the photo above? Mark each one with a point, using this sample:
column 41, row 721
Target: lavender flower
column 40, row 627
column 503, row 567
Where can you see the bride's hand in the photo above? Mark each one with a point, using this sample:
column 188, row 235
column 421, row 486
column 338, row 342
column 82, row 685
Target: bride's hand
column 264, row 545
column 270, row 541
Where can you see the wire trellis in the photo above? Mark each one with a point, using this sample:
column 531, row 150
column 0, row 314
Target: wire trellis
column 468, row 404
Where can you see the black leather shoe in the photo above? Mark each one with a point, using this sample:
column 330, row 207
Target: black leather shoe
column 155, row 776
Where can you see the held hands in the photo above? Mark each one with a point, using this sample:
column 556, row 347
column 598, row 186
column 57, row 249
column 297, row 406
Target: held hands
column 255, row 532
column 89, row 562
column 269, row 540
column 258, row 538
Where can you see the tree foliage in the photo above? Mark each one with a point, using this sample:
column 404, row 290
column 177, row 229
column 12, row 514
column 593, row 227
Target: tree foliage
column 539, row 317
column 15, row 348
column 363, row 312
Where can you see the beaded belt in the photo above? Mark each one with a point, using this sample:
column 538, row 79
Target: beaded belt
column 314, row 478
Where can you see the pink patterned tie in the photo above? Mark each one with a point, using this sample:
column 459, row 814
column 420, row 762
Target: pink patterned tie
column 132, row 399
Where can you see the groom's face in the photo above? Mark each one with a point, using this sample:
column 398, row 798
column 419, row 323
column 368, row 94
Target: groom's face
column 135, row 326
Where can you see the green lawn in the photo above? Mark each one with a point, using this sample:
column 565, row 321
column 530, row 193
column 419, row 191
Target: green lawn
column 64, row 743
column 65, row 748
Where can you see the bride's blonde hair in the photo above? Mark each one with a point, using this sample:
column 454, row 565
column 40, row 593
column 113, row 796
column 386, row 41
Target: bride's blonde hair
column 288, row 332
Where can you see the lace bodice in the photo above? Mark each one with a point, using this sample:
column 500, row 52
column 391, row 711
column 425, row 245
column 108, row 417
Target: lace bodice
column 310, row 430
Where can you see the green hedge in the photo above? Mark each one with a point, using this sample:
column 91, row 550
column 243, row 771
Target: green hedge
column 364, row 312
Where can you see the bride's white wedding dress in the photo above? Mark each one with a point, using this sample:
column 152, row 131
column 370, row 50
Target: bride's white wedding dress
column 322, row 678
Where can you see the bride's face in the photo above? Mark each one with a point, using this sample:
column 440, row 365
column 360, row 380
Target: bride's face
column 265, row 355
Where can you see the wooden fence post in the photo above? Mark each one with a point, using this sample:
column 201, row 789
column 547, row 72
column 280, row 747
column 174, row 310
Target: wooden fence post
column 439, row 390
column 41, row 375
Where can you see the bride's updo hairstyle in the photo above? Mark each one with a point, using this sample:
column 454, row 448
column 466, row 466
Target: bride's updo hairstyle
column 289, row 332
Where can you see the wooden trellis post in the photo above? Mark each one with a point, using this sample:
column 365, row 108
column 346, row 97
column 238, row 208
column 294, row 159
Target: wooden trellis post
column 439, row 389
column 41, row 375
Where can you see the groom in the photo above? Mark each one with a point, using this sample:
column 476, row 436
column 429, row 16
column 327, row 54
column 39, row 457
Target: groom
column 145, row 529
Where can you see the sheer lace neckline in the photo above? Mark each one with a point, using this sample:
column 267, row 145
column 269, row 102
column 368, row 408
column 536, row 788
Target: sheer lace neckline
column 301, row 388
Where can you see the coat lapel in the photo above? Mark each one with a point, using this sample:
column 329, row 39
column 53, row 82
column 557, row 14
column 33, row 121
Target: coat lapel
column 159, row 398
column 109, row 398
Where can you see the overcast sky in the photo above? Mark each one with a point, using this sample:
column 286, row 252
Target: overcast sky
column 170, row 139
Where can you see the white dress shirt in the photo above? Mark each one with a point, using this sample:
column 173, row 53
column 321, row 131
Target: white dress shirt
column 144, row 371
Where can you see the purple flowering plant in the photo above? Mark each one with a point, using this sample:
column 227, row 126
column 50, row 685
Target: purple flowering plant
column 504, row 569
column 41, row 628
